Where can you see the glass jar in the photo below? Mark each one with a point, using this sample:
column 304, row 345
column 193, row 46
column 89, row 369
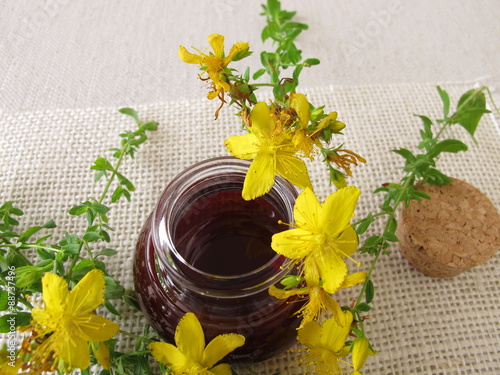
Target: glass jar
column 206, row 250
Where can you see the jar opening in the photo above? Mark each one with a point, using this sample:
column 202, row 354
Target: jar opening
column 222, row 235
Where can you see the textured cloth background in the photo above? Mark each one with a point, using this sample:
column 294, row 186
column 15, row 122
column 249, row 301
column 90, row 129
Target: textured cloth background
column 419, row 325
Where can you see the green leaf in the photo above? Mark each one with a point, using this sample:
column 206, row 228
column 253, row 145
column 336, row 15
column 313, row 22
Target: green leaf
column 111, row 308
column 311, row 62
column 100, row 208
column 471, row 107
column 4, row 300
column 78, row 210
column 91, row 237
column 365, row 224
column 391, row 237
column 113, row 289
column 10, row 322
column 407, row 154
column 363, row 307
column 259, row 73
column 369, row 291
column 131, row 112
column 435, row 177
column 151, row 126
column 107, row 252
column 446, row 101
column 102, row 164
column 447, row 145
column 427, row 122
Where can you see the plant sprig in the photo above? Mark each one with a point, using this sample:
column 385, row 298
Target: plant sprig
column 418, row 168
column 74, row 255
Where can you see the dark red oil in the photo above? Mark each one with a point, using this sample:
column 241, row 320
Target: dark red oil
column 222, row 234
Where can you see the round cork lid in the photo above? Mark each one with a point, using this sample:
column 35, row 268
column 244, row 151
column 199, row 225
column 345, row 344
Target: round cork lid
column 457, row 229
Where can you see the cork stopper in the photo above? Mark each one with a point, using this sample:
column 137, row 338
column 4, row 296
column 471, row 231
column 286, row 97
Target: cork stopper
column 457, row 229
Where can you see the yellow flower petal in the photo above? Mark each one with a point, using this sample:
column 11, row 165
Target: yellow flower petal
column 292, row 243
column 222, row 369
column 190, row 338
column 333, row 335
column 72, row 350
column 216, row 41
column 360, row 349
column 309, row 335
column 101, row 353
column 338, row 209
column 189, row 57
column 96, row 328
column 332, row 268
column 300, row 104
column 43, row 318
column 169, row 355
column 354, row 279
column 307, row 209
column 243, row 146
column 221, row 346
column 235, row 49
column 282, row 293
column 262, row 123
column 293, row 169
column 55, row 292
column 88, row 294
column 260, row 177
column 347, row 242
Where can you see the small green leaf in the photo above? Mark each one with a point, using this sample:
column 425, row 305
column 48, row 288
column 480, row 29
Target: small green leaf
column 363, row 307
column 407, row 154
column 131, row 112
column 91, row 237
column 446, row 101
column 151, row 126
column 311, row 62
column 259, row 73
column 9, row 322
column 435, row 177
column 364, row 224
column 111, row 308
column 100, row 208
column 369, row 291
column 107, row 252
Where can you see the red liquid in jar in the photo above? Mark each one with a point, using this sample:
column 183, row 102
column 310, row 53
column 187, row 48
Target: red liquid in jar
column 225, row 235
column 220, row 234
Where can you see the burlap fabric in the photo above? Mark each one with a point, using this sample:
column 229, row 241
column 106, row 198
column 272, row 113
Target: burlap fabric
column 419, row 325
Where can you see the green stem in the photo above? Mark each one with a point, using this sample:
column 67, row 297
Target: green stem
column 101, row 199
column 113, row 175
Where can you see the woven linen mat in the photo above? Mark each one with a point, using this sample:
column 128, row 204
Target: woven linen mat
column 419, row 325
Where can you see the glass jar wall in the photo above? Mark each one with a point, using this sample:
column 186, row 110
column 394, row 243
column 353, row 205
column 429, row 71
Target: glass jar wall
column 206, row 250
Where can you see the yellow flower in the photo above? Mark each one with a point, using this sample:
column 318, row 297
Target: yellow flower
column 271, row 154
column 214, row 63
column 326, row 344
column 322, row 236
column 68, row 323
column 190, row 356
column 317, row 298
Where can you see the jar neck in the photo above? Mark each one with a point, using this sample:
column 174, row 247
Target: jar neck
column 209, row 240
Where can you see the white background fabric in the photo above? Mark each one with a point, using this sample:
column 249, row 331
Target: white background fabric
column 66, row 68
